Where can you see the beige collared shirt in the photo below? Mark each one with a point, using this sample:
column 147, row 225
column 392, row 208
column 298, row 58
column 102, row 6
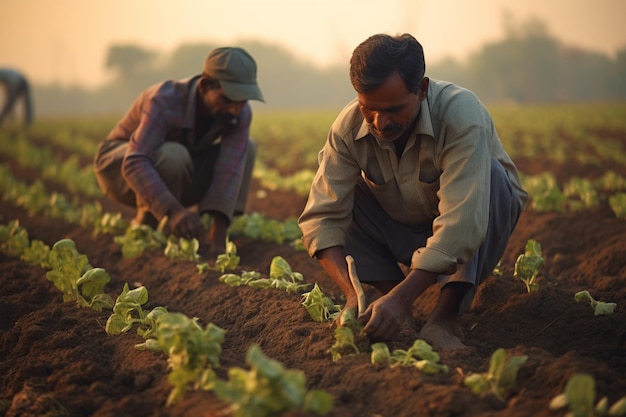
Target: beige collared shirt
column 442, row 177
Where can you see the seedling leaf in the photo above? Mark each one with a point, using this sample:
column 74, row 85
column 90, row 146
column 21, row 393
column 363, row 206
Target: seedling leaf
column 600, row 308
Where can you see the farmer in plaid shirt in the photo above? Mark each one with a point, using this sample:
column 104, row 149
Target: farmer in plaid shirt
column 184, row 149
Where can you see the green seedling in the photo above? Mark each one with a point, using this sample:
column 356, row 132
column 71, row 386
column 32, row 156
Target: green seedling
column 320, row 307
column 13, row 239
column 37, row 254
column 181, row 248
column 229, row 260
column 349, row 339
column 419, row 355
column 600, row 308
column 528, row 265
column 267, row 389
column 138, row 238
column 193, row 352
column 580, row 397
column 128, row 312
column 75, row 278
column 281, row 278
column 500, row 377
column 618, row 204
column 280, row 269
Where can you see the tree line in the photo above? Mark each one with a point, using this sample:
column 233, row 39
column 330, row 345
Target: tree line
column 528, row 65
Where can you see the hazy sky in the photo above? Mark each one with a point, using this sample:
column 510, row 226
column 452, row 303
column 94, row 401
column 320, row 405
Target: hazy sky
column 67, row 40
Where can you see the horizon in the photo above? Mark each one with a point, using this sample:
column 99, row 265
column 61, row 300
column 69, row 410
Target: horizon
column 70, row 43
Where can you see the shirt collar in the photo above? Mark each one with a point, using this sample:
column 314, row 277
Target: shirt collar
column 189, row 118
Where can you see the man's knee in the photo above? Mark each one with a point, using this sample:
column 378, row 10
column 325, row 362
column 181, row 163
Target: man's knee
column 173, row 160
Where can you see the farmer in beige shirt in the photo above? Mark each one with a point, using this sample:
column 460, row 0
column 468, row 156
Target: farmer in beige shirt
column 413, row 172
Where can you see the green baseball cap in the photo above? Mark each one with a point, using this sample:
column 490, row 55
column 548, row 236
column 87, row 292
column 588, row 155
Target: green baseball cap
column 235, row 69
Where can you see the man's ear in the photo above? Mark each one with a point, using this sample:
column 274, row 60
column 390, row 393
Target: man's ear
column 423, row 89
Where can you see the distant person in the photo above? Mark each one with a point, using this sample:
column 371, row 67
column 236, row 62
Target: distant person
column 16, row 89
column 185, row 143
column 413, row 173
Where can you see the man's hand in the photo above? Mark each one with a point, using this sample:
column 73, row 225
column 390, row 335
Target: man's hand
column 384, row 318
column 217, row 235
column 185, row 223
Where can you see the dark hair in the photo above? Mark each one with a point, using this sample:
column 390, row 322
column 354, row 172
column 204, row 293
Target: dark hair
column 380, row 55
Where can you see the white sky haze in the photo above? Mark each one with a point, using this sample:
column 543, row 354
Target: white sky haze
column 66, row 41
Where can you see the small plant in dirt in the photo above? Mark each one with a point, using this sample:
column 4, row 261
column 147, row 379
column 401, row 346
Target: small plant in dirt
column 37, row 254
column 419, row 355
column 267, row 389
column 108, row 223
column 138, row 238
column 529, row 264
column 321, row 308
column 181, row 248
column 246, row 278
column 281, row 277
column 284, row 278
column 580, row 396
column 193, row 352
column 226, row 261
column 600, row 308
column 349, row 336
column 128, row 312
column 14, row 241
column 75, row 278
column 229, row 260
column 257, row 226
column 545, row 192
column 500, row 378
column 13, row 238
column 582, row 193
column 618, row 204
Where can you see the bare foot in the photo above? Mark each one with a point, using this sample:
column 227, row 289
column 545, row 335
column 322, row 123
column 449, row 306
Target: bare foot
column 442, row 337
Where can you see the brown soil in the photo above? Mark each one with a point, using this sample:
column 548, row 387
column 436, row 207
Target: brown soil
column 55, row 356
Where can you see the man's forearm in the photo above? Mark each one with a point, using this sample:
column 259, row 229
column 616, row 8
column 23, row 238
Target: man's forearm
column 219, row 229
column 412, row 286
column 333, row 260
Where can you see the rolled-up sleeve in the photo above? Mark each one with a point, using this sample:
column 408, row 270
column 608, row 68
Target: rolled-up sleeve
column 463, row 203
column 328, row 211
column 138, row 165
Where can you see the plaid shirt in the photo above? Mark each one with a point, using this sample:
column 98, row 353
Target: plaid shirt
column 166, row 112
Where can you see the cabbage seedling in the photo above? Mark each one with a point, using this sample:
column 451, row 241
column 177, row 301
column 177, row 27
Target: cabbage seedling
column 580, row 396
column 268, row 389
column 181, row 248
column 420, row 355
column 501, row 375
column 127, row 312
column 75, row 278
column 529, row 264
column 347, row 327
column 320, row 307
column 13, row 238
column 193, row 352
column 600, row 308
column 229, row 260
